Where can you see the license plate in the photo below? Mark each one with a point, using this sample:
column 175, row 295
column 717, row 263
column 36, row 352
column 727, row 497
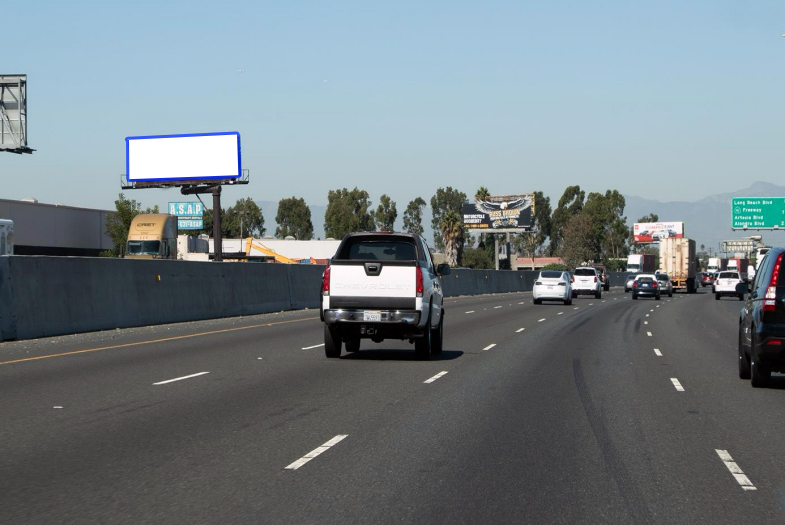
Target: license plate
column 372, row 316
column 645, row 285
column 550, row 288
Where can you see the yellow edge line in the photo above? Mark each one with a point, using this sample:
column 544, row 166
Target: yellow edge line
column 154, row 341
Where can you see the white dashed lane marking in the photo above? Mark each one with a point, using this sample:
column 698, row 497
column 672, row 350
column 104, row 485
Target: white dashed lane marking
column 314, row 346
column 489, row 346
column 648, row 333
column 496, row 307
column 519, row 330
column 541, row 320
column 470, row 312
column 657, row 351
column 677, row 384
column 317, row 451
column 434, row 378
column 180, row 378
column 741, row 478
column 560, row 313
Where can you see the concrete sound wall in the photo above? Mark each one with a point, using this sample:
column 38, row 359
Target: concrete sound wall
column 47, row 296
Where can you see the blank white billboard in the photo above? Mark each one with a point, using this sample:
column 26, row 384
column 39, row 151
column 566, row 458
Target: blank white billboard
column 183, row 157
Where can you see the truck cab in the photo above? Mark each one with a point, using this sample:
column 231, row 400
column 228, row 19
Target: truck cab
column 152, row 236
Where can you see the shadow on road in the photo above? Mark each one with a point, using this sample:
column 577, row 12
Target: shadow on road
column 397, row 355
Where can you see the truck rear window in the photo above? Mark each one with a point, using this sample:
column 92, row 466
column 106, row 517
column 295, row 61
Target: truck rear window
column 368, row 250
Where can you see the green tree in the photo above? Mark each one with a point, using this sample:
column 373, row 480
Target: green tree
column 482, row 193
column 294, row 218
column 385, row 214
column 347, row 212
column 451, row 229
column 446, row 200
column 578, row 245
column 244, row 219
column 477, row 259
column 609, row 233
column 119, row 222
column 530, row 244
column 555, row 267
column 412, row 217
column 570, row 205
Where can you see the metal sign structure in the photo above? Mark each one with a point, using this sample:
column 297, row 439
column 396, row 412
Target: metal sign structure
column 190, row 215
column 650, row 232
column 13, row 114
column 758, row 213
column 739, row 245
column 501, row 214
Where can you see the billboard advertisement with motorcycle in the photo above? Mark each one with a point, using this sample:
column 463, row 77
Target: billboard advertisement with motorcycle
column 649, row 232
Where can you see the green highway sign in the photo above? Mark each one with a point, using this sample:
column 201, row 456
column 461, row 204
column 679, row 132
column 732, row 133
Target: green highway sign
column 758, row 213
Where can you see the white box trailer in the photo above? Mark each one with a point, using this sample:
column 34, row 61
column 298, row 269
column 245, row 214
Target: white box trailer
column 6, row 237
column 678, row 261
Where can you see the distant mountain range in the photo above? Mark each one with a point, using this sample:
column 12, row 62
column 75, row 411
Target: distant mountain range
column 706, row 220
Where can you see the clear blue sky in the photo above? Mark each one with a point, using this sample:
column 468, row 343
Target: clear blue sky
column 670, row 100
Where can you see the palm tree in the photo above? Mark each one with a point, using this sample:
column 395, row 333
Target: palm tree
column 482, row 193
column 451, row 227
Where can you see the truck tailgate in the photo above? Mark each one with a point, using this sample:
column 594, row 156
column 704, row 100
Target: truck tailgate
column 378, row 285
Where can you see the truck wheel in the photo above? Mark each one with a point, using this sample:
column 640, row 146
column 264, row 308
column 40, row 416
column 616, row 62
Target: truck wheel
column 717, row 296
column 744, row 361
column 423, row 345
column 332, row 341
column 657, row 298
column 353, row 345
column 437, row 337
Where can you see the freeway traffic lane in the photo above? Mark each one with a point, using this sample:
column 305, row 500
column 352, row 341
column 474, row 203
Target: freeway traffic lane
column 531, row 411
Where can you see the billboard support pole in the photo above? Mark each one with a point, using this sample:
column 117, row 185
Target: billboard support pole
column 496, row 250
column 216, row 191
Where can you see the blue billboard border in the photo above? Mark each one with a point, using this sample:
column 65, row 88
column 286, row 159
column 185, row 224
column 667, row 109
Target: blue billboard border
column 218, row 177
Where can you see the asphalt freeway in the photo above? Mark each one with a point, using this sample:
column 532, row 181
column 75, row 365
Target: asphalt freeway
column 605, row 411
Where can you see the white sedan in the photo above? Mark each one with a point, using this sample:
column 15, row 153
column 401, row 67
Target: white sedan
column 552, row 286
column 726, row 285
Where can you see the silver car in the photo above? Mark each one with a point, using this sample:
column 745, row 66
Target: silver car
column 666, row 287
column 628, row 282
column 552, row 286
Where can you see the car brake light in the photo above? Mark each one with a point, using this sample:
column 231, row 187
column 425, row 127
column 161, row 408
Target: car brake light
column 654, row 285
column 419, row 282
column 635, row 284
column 770, row 299
column 774, row 343
column 326, row 282
column 595, row 279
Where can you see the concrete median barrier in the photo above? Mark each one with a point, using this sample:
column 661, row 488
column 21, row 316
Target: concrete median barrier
column 48, row 296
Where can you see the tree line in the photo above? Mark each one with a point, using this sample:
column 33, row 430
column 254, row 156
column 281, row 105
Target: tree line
column 582, row 228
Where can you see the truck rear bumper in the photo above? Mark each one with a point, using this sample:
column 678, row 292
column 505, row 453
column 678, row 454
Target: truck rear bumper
column 387, row 317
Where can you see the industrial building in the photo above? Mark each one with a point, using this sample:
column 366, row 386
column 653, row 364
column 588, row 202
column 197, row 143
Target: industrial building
column 56, row 229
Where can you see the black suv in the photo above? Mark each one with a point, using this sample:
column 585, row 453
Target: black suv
column 762, row 322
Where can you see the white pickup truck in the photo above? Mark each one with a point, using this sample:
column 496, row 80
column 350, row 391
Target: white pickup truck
column 383, row 286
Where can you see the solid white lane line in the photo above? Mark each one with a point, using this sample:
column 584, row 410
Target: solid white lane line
column 180, row 378
column 519, row 330
column 315, row 452
column 560, row 313
column 470, row 312
column 312, row 347
column 648, row 333
column 677, row 384
column 656, row 351
column 434, row 378
column 496, row 307
column 489, row 346
column 541, row 320
column 735, row 470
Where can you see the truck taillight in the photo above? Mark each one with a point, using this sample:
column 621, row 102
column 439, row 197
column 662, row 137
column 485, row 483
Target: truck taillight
column 770, row 299
column 595, row 279
column 418, row 284
column 326, row 282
